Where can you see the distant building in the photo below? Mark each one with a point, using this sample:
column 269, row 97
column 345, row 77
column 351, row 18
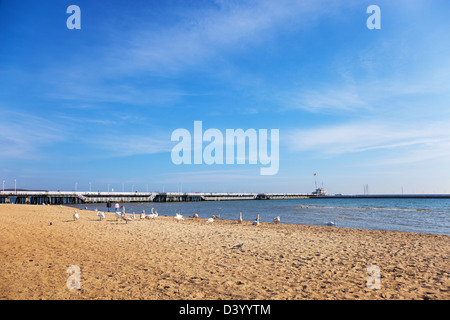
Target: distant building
column 319, row 192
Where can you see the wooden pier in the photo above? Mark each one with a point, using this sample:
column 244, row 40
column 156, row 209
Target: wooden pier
column 68, row 197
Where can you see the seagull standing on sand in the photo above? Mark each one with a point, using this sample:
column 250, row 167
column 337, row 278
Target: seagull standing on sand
column 118, row 215
column 276, row 220
column 101, row 215
column 142, row 216
column 179, row 217
column 240, row 217
column 76, row 216
column 210, row 220
column 256, row 221
column 195, row 216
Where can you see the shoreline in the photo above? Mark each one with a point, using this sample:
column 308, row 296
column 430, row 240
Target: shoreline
column 270, row 223
column 403, row 218
column 161, row 259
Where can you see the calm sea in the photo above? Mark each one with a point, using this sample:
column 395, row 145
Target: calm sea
column 410, row 215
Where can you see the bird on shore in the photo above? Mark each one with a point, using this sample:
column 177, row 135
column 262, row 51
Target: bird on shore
column 151, row 216
column 143, row 215
column 101, row 215
column 256, row 221
column 130, row 218
column 240, row 217
column 76, row 216
column 195, row 216
column 276, row 219
column 332, row 224
column 179, row 217
column 118, row 215
column 211, row 220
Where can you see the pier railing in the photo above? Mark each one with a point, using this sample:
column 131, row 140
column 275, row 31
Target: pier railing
column 71, row 197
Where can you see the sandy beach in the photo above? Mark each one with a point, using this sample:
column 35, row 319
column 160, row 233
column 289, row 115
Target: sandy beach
column 166, row 259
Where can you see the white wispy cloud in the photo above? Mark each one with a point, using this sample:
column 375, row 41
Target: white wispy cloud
column 78, row 119
column 200, row 40
column 334, row 98
column 195, row 176
column 130, row 145
column 407, row 143
column 23, row 136
column 210, row 33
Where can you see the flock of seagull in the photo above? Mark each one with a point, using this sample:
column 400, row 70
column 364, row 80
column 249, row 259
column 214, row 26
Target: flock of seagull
column 154, row 214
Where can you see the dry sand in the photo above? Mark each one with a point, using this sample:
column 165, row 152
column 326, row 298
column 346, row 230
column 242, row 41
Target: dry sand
column 163, row 259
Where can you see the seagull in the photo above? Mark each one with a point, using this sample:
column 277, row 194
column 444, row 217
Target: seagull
column 210, row 220
column 238, row 246
column 76, row 216
column 276, row 220
column 118, row 215
column 179, row 217
column 240, row 217
column 143, row 215
column 257, row 220
column 101, row 215
column 195, row 216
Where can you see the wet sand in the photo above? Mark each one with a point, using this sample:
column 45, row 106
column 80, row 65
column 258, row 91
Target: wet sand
column 164, row 259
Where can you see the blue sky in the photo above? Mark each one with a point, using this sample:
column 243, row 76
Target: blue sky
column 99, row 104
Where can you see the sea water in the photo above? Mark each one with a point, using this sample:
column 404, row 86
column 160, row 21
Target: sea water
column 409, row 215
